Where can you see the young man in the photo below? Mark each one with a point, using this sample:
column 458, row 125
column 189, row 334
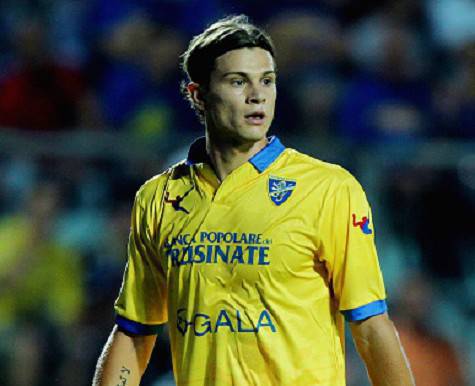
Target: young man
column 252, row 252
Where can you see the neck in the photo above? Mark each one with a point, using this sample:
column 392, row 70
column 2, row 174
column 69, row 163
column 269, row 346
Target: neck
column 229, row 155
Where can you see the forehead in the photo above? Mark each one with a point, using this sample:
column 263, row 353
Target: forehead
column 248, row 60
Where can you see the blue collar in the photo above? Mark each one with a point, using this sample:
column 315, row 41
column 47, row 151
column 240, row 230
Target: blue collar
column 260, row 160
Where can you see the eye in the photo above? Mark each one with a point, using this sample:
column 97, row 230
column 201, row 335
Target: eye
column 238, row 82
column 268, row 81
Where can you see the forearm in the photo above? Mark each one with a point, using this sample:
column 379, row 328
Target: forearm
column 378, row 344
column 123, row 360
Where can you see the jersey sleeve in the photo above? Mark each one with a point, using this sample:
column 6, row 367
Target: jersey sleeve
column 348, row 250
column 142, row 302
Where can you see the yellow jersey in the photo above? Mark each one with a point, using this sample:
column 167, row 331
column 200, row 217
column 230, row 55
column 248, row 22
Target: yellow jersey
column 254, row 274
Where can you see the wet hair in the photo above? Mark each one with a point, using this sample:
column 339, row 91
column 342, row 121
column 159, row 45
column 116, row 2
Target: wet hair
column 230, row 33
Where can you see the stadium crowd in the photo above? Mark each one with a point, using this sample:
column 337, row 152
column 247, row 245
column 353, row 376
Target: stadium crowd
column 385, row 88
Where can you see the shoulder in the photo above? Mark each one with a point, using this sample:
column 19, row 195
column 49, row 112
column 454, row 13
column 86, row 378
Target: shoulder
column 330, row 174
column 153, row 188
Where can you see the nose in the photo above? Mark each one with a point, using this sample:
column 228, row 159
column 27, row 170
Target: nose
column 255, row 96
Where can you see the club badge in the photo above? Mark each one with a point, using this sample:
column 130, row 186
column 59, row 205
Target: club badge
column 280, row 189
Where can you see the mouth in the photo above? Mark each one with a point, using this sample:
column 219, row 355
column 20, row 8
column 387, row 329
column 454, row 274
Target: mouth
column 255, row 118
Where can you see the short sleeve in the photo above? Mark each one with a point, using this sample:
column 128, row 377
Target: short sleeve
column 348, row 250
column 142, row 302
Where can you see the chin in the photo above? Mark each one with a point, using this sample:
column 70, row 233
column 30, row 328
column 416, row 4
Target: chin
column 254, row 133
column 252, row 136
column 244, row 133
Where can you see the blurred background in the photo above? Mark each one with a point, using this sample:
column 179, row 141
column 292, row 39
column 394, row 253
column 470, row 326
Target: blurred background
column 90, row 108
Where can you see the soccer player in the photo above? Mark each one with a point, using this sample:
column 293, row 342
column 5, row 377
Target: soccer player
column 253, row 252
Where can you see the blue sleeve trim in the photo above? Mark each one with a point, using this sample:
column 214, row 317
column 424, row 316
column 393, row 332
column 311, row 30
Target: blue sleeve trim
column 136, row 327
column 364, row 312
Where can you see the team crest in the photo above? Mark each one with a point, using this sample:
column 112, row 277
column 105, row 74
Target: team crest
column 280, row 189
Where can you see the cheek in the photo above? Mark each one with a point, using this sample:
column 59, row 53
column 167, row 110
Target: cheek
column 221, row 113
column 273, row 95
column 226, row 107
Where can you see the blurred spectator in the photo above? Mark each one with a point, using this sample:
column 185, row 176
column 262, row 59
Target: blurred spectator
column 42, row 290
column 434, row 360
column 455, row 96
column 66, row 20
column 37, row 93
column 261, row 12
column 452, row 22
column 188, row 16
column 139, row 86
column 390, row 99
column 19, row 178
column 434, row 208
column 310, row 51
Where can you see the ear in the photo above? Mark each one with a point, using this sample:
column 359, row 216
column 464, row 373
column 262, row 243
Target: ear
column 196, row 95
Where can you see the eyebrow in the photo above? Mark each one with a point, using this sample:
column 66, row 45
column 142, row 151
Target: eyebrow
column 245, row 74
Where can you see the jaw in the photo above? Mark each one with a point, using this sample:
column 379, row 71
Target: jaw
column 234, row 127
column 237, row 136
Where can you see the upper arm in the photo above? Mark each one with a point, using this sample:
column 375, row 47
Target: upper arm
column 142, row 302
column 347, row 248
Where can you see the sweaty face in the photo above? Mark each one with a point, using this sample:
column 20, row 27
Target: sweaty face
column 240, row 102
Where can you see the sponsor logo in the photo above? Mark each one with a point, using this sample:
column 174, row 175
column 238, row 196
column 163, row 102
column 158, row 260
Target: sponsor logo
column 176, row 202
column 363, row 224
column 280, row 189
column 218, row 247
column 200, row 324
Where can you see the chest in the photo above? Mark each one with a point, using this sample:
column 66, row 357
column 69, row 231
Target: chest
column 241, row 237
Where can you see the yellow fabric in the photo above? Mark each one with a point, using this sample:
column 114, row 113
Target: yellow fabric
column 49, row 282
column 252, row 289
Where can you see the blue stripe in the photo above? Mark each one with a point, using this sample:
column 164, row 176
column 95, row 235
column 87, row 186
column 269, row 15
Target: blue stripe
column 136, row 327
column 267, row 155
column 261, row 160
column 364, row 312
